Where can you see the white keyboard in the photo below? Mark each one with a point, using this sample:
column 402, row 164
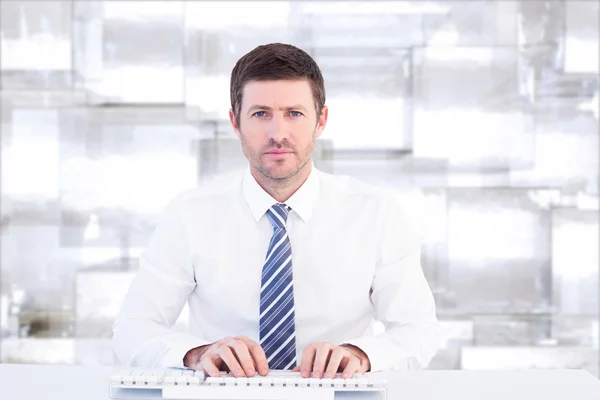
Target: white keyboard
column 277, row 385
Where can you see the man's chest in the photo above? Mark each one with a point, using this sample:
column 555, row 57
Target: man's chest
column 332, row 266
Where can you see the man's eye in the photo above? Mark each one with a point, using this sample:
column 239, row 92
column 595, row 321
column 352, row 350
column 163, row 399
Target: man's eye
column 260, row 113
column 295, row 113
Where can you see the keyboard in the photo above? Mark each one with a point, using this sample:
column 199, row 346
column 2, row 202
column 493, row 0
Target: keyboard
column 277, row 385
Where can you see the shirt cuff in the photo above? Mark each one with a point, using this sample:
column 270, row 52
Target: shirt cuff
column 178, row 348
column 371, row 346
column 382, row 357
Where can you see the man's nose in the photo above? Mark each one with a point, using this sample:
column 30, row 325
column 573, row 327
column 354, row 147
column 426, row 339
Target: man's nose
column 278, row 129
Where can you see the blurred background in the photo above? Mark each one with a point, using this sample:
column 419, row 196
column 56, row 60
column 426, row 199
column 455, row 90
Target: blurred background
column 484, row 114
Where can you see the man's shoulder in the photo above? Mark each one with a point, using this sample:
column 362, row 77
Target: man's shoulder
column 349, row 186
column 360, row 196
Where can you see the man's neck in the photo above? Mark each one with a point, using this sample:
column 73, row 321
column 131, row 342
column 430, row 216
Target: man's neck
column 282, row 189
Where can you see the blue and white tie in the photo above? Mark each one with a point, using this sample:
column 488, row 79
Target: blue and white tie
column 277, row 317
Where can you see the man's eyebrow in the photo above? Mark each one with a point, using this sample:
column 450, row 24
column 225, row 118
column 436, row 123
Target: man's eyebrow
column 267, row 108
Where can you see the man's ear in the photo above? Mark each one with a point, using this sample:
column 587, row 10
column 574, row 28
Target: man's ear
column 322, row 121
column 234, row 124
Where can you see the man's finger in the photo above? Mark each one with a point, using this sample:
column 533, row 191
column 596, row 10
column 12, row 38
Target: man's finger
column 258, row 355
column 296, row 368
column 322, row 354
column 209, row 367
column 337, row 355
column 351, row 367
column 229, row 358
column 308, row 358
column 240, row 349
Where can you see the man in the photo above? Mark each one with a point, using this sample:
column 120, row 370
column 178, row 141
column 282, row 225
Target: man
column 283, row 266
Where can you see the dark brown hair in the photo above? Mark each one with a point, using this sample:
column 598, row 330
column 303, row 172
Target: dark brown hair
column 275, row 61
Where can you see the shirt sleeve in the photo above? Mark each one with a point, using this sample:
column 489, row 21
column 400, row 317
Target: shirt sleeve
column 402, row 299
column 142, row 332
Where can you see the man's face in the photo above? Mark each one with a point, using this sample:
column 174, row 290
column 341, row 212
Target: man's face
column 278, row 126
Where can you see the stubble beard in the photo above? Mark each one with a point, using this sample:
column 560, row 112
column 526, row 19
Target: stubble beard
column 279, row 178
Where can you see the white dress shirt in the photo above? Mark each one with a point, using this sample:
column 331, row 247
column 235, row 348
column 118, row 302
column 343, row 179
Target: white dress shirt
column 355, row 257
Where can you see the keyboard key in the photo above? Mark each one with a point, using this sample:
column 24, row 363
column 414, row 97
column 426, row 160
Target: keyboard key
column 229, row 381
column 215, row 380
column 314, row 382
column 254, row 380
column 326, row 382
column 266, row 381
column 160, row 377
column 278, row 381
column 378, row 382
column 290, row 382
column 139, row 379
column 351, row 382
column 193, row 380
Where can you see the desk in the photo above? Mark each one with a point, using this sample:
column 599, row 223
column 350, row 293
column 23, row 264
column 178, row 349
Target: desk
column 39, row 382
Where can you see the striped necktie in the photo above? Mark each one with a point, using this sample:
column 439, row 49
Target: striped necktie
column 277, row 317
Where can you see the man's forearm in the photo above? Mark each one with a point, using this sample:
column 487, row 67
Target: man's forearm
column 405, row 347
column 144, row 343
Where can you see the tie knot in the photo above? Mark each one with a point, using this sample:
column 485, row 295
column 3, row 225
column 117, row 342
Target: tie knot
column 278, row 214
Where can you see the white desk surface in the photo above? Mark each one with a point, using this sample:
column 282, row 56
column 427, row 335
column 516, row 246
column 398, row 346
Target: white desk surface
column 66, row 382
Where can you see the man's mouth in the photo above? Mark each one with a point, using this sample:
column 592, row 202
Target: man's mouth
column 279, row 151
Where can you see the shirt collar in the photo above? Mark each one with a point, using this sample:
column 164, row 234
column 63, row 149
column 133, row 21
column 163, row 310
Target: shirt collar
column 302, row 202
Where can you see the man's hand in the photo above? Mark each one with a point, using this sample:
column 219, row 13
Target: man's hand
column 324, row 360
column 240, row 355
